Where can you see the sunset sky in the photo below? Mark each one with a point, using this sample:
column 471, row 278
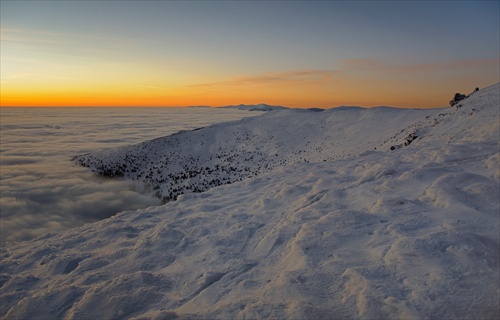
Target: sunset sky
column 297, row 54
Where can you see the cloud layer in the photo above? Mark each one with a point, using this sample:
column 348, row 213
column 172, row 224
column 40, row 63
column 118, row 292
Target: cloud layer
column 42, row 191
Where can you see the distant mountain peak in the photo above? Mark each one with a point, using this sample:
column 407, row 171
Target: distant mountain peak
column 255, row 107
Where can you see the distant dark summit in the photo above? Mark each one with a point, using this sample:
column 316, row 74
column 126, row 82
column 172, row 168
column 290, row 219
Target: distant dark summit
column 255, row 107
column 459, row 97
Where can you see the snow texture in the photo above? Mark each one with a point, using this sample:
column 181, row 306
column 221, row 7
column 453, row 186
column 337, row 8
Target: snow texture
column 350, row 213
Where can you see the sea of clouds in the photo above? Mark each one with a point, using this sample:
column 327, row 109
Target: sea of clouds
column 42, row 191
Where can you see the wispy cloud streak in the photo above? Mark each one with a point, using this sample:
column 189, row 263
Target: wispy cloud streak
column 290, row 78
column 373, row 65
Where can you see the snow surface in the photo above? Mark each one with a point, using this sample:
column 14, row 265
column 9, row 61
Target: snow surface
column 333, row 223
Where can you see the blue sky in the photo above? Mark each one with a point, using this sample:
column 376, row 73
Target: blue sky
column 307, row 53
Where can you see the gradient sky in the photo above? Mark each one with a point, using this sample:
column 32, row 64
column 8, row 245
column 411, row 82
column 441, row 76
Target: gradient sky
column 298, row 54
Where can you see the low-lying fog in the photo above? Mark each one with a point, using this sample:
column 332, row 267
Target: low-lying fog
column 43, row 191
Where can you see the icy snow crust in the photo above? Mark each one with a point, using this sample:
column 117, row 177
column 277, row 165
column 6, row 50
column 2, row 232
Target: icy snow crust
column 333, row 225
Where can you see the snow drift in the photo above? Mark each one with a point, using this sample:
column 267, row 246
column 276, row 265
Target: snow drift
column 350, row 213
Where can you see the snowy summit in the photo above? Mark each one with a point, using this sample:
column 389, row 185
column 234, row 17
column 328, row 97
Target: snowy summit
column 349, row 213
column 254, row 107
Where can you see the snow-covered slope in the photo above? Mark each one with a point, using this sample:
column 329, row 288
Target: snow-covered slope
column 194, row 161
column 224, row 153
column 333, row 225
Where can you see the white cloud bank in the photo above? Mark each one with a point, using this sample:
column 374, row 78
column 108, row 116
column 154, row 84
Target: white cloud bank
column 42, row 191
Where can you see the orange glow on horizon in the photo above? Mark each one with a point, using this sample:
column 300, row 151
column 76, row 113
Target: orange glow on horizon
column 369, row 86
column 356, row 96
column 176, row 54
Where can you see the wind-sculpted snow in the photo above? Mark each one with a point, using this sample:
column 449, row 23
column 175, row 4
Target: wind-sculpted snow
column 332, row 228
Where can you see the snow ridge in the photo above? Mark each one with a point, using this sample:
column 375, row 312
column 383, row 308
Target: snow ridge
column 225, row 153
column 195, row 161
column 334, row 224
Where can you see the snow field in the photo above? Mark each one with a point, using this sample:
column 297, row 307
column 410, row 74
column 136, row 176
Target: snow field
column 409, row 233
